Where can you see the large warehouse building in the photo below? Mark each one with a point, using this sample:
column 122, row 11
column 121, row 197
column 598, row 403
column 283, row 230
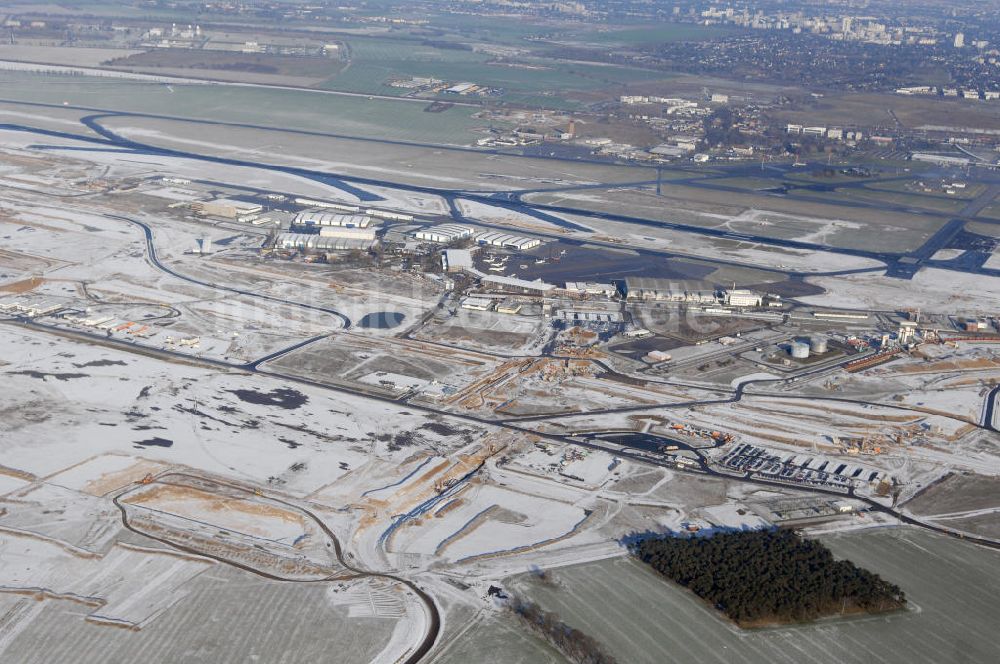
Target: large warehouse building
column 507, row 241
column 321, row 243
column 348, row 232
column 456, row 260
column 743, row 298
column 317, row 218
column 590, row 288
column 227, row 208
column 328, row 205
column 665, row 290
column 443, row 234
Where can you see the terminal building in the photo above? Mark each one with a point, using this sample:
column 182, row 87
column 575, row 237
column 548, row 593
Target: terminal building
column 460, row 260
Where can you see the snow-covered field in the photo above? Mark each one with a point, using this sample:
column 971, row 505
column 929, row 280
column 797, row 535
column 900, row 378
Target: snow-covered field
column 932, row 290
column 86, row 401
column 484, row 520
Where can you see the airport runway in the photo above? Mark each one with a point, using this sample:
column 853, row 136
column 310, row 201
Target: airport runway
column 900, row 265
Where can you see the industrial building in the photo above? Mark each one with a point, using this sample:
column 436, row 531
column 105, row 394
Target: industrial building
column 227, row 208
column 321, row 243
column 444, row 234
column 317, row 218
column 511, row 307
column 590, row 316
column 907, row 330
column 478, row 303
column 31, row 309
column 507, row 241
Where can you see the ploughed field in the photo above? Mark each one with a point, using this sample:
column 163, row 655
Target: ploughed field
column 952, row 589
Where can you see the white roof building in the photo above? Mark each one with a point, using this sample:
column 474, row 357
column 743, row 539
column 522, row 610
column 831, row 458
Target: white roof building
column 348, row 232
column 507, row 241
column 477, row 303
column 316, row 218
column 320, row 243
column 512, row 284
column 743, row 298
column 590, row 288
column 942, row 159
column 444, row 233
column 455, row 260
column 460, row 88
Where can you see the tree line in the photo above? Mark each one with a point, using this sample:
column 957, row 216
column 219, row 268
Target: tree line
column 768, row 576
column 576, row 646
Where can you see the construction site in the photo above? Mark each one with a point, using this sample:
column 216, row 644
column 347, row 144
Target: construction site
column 352, row 407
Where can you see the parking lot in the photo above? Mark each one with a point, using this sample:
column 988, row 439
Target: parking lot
column 796, row 469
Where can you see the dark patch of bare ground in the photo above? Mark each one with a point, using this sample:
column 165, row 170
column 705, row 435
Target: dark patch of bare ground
column 153, row 442
column 42, row 375
column 441, row 429
column 100, row 363
column 282, row 397
column 790, row 288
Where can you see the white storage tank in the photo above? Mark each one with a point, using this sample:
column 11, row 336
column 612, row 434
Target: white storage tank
column 818, row 345
column 799, row 350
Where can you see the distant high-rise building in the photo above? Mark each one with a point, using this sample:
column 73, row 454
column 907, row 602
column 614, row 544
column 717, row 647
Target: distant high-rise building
column 959, row 40
column 846, row 23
